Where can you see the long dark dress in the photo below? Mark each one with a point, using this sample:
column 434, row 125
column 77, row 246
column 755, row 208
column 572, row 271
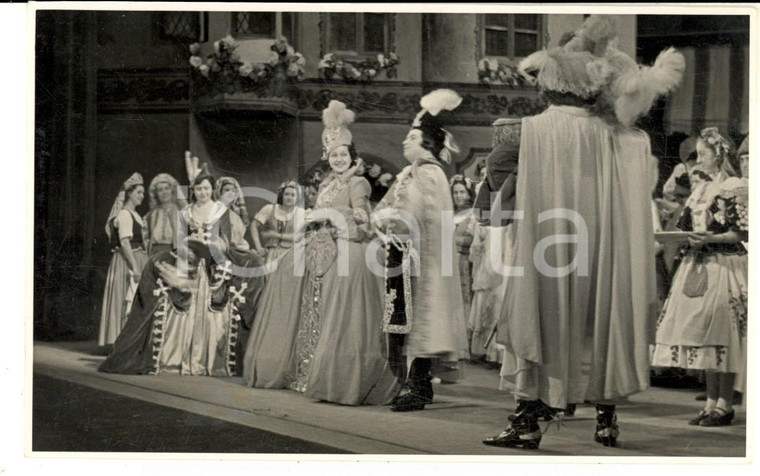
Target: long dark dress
column 190, row 332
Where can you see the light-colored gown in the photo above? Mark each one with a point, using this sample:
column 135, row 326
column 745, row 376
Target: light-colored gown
column 341, row 350
column 127, row 224
column 708, row 330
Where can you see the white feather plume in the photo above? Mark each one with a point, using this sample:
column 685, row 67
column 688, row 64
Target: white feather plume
column 440, row 100
column 337, row 115
column 637, row 90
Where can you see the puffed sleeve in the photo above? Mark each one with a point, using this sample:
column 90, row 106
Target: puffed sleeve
column 263, row 215
column 359, row 191
column 124, row 224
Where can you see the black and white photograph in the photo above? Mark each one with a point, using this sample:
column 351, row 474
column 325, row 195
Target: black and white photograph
column 513, row 233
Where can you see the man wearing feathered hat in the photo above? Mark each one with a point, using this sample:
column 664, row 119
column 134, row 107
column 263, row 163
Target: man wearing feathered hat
column 577, row 322
column 424, row 313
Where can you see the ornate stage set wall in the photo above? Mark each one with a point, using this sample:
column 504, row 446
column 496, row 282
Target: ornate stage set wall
column 115, row 97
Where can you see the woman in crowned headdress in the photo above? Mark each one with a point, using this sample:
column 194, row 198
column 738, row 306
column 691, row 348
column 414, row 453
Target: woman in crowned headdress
column 333, row 349
column 347, row 361
column 124, row 228
column 424, row 313
column 191, row 302
column 703, row 324
column 165, row 202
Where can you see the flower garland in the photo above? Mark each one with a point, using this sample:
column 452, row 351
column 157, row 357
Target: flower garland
column 331, row 66
column 225, row 72
column 491, row 71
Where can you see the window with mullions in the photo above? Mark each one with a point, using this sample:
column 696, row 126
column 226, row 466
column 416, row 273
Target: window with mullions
column 357, row 34
column 183, row 26
column 264, row 25
column 511, row 35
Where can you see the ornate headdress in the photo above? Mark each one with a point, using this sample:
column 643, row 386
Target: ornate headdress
column 588, row 64
column 427, row 120
column 564, row 69
column 336, row 119
column 118, row 204
column 180, row 200
column 237, row 204
column 724, row 150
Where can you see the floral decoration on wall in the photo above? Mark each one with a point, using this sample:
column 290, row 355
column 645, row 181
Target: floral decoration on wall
column 224, row 72
column 493, row 71
column 331, row 66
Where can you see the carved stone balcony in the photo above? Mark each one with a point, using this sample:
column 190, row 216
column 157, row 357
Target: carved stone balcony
column 382, row 101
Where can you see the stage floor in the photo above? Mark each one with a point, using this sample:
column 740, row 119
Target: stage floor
column 653, row 423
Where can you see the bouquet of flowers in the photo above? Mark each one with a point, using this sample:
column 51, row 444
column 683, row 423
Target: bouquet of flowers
column 331, row 66
column 491, row 71
column 225, row 72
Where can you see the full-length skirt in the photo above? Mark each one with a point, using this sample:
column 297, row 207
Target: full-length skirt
column 489, row 286
column 708, row 332
column 349, row 363
column 113, row 315
column 189, row 333
column 270, row 356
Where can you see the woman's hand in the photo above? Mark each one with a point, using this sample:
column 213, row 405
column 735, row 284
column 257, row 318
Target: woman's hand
column 136, row 276
column 699, row 238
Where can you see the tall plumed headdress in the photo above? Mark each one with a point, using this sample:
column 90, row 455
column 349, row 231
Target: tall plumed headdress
column 564, row 69
column 180, row 200
column 589, row 65
column 427, row 120
column 118, row 204
column 336, row 118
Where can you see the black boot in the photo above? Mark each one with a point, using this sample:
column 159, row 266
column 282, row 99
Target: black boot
column 607, row 430
column 418, row 390
column 523, row 430
column 543, row 411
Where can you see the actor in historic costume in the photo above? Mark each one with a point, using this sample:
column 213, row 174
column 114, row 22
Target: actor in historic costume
column 190, row 302
column 124, row 228
column 586, row 300
column 161, row 221
column 424, row 313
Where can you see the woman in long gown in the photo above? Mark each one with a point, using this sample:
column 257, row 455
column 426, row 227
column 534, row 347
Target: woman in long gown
column 270, row 356
column 161, row 220
column 464, row 222
column 341, row 351
column 187, row 313
column 703, row 323
column 124, row 228
column 328, row 345
column 272, row 228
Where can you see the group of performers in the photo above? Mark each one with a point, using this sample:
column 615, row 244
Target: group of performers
column 362, row 305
